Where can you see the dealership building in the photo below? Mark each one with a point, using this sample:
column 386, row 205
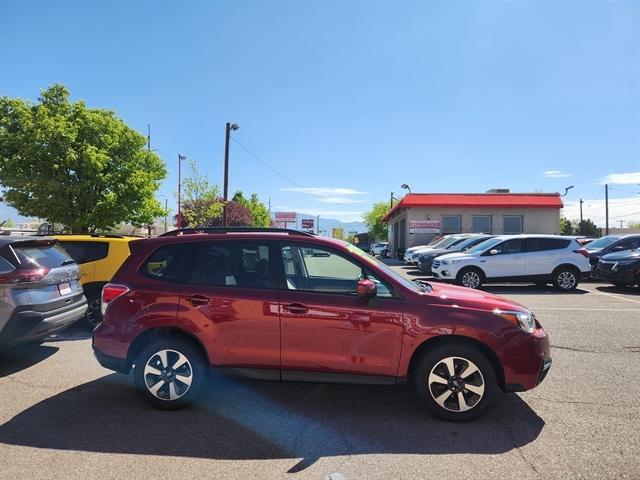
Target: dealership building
column 418, row 217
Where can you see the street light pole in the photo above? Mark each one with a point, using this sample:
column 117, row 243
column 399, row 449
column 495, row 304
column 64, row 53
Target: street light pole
column 180, row 159
column 227, row 137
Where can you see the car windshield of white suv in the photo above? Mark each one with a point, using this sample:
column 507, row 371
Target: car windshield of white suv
column 601, row 243
column 483, row 246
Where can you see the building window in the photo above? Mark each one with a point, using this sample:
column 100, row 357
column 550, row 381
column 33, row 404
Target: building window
column 451, row 224
column 512, row 224
column 481, row 224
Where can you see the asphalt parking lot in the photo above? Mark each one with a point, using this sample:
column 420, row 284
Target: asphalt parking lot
column 63, row 416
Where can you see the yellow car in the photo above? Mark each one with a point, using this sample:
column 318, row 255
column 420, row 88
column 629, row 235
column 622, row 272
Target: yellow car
column 99, row 258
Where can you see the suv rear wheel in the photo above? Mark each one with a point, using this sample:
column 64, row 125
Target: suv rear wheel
column 455, row 382
column 169, row 372
column 565, row 279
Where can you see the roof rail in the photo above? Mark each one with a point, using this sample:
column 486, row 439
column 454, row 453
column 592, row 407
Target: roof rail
column 212, row 230
column 96, row 235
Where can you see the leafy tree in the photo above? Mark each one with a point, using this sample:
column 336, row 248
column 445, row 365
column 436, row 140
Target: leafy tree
column 258, row 211
column 566, row 228
column 588, row 228
column 634, row 225
column 201, row 203
column 373, row 221
column 77, row 166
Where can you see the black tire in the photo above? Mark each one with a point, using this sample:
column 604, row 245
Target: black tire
column 194, row 370
column 93, row 315
column 566, row 279
column 619, row 284
column 434, row 361
column 470, row 277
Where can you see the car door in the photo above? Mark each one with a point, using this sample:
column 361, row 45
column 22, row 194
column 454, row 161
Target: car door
column 327, row 331
column 231, row 302
column 504, row 260
column 543, row 255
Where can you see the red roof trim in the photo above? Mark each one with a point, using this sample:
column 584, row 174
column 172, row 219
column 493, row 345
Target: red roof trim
column 478, row 200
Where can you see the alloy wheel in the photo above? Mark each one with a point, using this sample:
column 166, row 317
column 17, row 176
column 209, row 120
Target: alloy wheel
column 471, row 279
column 456, row 384
column 168, row 375
column 566, row 280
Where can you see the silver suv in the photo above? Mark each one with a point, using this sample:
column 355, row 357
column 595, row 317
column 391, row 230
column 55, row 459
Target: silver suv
column 40, row 291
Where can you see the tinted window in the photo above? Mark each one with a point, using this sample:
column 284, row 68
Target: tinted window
column 47, row 255
column 629, row 243
column 541, row 244
column 451, row 224
column 510, row 246
column 481, row 224
column 171, row 263
column 603, row 242
column 512, row 224
column 84, row 252
column 235, row 264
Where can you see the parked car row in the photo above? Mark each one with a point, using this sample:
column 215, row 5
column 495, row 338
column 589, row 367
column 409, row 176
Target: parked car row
column 472, row 260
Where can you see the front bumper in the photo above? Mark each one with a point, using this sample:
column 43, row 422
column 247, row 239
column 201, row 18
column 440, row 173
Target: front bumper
column 31, row 326
column 526, row 360
column 618, row 275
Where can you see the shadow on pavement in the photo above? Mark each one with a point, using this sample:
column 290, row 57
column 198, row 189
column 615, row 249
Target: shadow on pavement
column 262, row 420
column 530, row 290
column 619, row 290
column 19, row 358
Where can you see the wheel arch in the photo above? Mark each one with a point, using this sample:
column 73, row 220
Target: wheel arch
column 483, row 275
column 440, row 340
column 566, row 265
column 162, row 332
column 92, row 287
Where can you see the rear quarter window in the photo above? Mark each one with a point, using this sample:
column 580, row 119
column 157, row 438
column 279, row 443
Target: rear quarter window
column 171, row 263
column 542, row 244
column 85, row 252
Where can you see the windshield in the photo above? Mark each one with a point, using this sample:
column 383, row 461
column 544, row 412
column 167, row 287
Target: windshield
column 446, row 242
column 374, row 261
column 482, row 246
column 470, row 242
column 603, row 242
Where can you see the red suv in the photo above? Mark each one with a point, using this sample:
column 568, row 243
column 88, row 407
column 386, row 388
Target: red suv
column 287, row 305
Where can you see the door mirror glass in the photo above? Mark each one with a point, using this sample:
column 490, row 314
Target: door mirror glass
column 366, row 288
column 493, row 252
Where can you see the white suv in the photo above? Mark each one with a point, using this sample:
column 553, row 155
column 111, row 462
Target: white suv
column 524, row 258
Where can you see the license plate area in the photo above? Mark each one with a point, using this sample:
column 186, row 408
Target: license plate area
column 64, row 288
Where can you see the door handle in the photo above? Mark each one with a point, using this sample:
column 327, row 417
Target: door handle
column 295, row 308
column 198, row 299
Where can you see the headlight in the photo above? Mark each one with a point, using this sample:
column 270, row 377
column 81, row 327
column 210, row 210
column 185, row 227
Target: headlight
column 525, row 321
column 449, row 262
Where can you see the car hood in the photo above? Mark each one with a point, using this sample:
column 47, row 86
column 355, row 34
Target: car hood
column 468, row 297
column 632, row 255
column 435, row 251
column 457, row 256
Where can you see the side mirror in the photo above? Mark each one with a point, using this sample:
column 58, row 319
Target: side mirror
column 493, row 252
column 366, row 288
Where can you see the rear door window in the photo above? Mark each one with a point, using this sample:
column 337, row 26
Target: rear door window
column 171, row 263
column 85, row 252
column 234, row 264
column 37, row 254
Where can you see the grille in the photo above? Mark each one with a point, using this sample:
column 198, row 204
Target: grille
column 436, row 264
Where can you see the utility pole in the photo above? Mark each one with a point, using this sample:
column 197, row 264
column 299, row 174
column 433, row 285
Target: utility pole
column 621, row 222
column 391, row 202
column 606, row 209
column 166, row 212
column 148, row 137
column 581, row 202
column 180, row 159
column 318, row 226
column 227, row 137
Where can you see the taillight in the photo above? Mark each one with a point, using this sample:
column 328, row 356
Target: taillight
column 25, row 275
column 110, row 292
column 582, row 251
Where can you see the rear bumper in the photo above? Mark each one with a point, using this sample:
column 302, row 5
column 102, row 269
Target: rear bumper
column 30, row 326
column 112, row 363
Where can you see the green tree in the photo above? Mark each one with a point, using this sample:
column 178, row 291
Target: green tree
column 258, row 210
column 588, row 228
column 77, row 166
column 201, row 202
column 373, row 221
column 566, row 228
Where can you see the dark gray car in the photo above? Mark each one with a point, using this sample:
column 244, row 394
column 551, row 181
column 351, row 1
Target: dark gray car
column 40, row 291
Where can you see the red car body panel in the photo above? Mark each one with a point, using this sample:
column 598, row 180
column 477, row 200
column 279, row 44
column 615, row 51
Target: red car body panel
column 336, row 333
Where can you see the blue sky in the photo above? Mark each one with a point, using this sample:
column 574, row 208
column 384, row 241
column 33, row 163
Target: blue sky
column 349, row 100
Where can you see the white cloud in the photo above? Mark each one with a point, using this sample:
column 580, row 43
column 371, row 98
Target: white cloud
column 627, row 209
column 340, row 200
column 344, row 216
column 333, row 195
column 622, row 178
column 555, row 174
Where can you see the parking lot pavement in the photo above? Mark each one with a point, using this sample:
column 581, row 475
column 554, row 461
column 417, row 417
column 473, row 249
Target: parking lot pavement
column 63, row 416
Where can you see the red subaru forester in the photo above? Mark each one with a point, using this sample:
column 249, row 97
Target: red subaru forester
column 287, row 305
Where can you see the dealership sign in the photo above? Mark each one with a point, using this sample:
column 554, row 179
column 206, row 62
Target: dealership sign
column 307, row 223
column 285, row 216
column 424, row 226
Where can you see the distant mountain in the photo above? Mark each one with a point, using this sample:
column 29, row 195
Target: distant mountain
column 327, row 224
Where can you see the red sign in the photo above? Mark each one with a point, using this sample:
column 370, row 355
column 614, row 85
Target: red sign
column 307, row 223
column 424, row 226
column 285, row 216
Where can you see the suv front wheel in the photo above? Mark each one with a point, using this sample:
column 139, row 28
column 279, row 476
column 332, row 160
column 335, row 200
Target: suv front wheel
column 168, row 373
column 470, row 278
column 455, row 382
